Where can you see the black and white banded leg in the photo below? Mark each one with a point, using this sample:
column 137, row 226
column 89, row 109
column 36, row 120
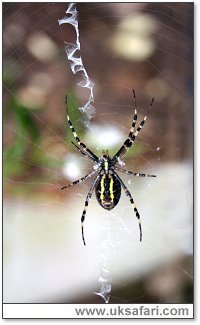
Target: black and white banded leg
column 128, row 172
column 135, row 114
column 79, row 180
column 85, row 207
column 143, row 121
column 87, row 151
column 132, row 203
column 131, row 138
column 83, row 153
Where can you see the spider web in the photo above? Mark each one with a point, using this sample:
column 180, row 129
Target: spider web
column 44, row 257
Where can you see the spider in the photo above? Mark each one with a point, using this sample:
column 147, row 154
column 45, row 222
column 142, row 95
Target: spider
column 107, row 184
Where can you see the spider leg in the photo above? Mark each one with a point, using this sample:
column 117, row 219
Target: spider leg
column 83, row 153
column 135, row 114
column 87, row 151
column 128, row 172
column 89, row 195
column 132, row 203
column 79, row 180
column 131, row 138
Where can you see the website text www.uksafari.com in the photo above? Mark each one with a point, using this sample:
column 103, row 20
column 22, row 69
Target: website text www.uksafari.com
column 134, row 311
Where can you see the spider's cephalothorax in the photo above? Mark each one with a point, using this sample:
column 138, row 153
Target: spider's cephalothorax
column 107, row 183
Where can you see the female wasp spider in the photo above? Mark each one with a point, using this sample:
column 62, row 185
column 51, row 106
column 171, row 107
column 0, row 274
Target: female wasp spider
column 107, row 183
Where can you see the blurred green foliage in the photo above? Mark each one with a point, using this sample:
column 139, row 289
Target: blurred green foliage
column 26, row 149
column 25, row 128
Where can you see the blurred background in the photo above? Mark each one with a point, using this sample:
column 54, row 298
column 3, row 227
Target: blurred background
column 145, row 46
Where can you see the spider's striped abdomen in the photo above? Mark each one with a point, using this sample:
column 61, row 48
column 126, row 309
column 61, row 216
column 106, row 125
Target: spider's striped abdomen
column 108, row 191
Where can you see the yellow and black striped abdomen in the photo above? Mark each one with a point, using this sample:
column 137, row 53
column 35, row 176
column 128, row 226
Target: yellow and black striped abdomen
column 108, row 191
